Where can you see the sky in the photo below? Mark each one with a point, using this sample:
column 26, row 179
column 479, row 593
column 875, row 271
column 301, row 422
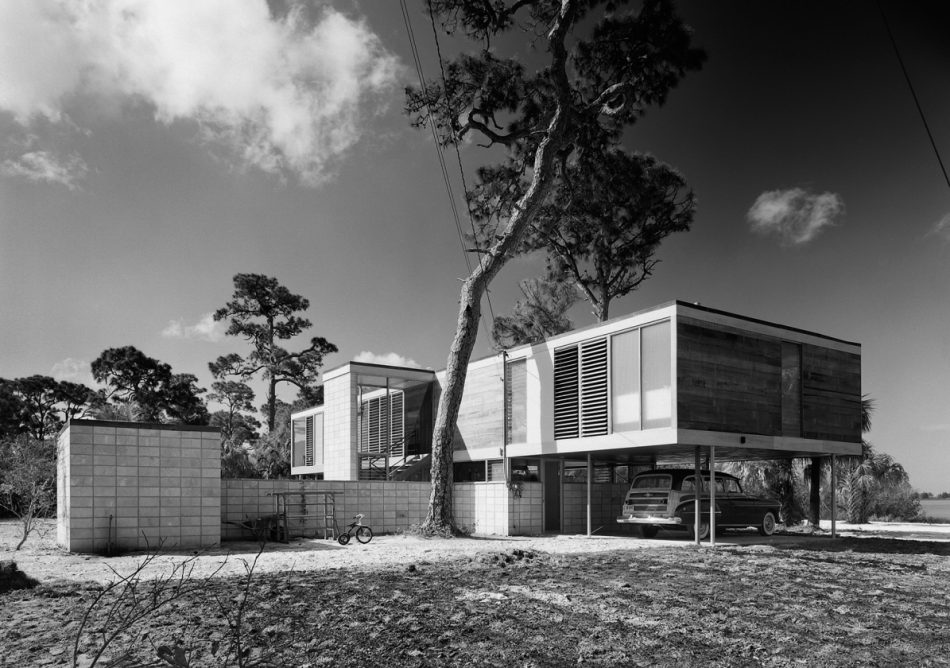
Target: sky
column 150, row 151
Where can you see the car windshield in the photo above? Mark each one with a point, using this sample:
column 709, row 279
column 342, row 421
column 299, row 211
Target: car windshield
column 689, row 486
column 652, row 482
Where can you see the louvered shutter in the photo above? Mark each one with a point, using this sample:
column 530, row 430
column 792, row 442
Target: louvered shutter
column 565, row 393
column 308, row 455
column 373, row 444
column 593, row 377
column 398, row 427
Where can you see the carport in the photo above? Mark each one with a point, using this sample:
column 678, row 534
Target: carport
column 706, row 457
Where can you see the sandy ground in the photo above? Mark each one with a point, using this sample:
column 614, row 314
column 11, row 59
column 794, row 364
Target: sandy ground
column 41, row 559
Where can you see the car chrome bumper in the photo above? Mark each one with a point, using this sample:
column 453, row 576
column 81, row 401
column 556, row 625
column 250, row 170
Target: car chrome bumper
column 630, row 519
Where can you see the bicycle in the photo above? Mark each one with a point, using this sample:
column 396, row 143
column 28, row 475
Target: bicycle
column 363, row 533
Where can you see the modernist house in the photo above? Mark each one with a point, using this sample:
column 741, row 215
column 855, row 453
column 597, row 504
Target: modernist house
column 659, row 386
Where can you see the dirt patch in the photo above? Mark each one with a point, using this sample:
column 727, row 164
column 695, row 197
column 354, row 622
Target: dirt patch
column 537, row 602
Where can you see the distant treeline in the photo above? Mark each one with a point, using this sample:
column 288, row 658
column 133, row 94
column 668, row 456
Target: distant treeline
column 928, row 495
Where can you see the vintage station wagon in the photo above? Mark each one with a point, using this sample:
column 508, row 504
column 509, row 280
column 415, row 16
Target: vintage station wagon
column 666, row 498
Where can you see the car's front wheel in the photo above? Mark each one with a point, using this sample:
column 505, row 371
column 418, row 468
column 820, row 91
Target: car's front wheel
column 767, row 525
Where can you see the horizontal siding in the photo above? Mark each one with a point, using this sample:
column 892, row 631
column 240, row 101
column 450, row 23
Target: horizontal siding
column 728, row 380
column 831, row 394
column 481, row 419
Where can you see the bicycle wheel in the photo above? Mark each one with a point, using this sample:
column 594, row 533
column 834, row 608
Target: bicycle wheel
column 364, row 534
column 343, row 538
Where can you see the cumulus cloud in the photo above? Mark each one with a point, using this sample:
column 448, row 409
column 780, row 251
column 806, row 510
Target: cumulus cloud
column 795, row 215
column 942, row 228
column 42, row 166
column 390, row 359
column 286, row 94
column 73, row 370
column 206, row 329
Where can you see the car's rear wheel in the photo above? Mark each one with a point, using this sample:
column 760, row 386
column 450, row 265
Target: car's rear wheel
column 767, row 525
column 648, row 531
column 703, row 531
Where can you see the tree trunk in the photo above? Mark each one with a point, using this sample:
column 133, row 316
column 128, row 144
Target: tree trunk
column 440, row 518
column 271, row 403
column 814, row 492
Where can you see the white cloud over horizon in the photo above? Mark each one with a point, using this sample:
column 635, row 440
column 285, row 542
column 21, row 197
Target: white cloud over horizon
column 73, row 370
column 286, row 95
column 389, row 359
column 206, row 329
column 795, row 216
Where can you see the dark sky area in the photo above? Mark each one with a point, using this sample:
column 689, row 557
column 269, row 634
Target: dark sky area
column 136, row 178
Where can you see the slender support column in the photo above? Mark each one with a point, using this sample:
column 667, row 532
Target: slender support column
column 712, row 496
column 834, row 500
column 389, row 427
column 698, row 487
column 590, row 476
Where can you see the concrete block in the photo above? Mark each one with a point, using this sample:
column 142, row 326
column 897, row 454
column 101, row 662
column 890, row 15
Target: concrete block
column 79, row 437
column 128, row 508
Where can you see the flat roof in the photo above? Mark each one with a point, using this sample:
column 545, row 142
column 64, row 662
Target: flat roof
column 162, row 426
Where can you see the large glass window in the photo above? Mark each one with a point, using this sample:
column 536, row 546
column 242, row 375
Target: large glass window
column 300, row 442
column 625, row 380
column 307, row 447
column 640, row 396
column 657, row 376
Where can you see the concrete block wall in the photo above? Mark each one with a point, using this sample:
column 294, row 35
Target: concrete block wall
column 482, row 507
column 526, row 512
column 606, row 502
column 490, row 508
column 340, row 459
column 388, row 506
column 128, row 486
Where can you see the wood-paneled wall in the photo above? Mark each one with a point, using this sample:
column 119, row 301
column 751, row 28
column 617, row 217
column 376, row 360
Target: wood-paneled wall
column 831, row 394
column 481, row 420
column 731, row 380
column 728, row 380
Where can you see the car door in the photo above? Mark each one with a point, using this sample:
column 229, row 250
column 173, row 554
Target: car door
column 746, row 509
column 724, row 503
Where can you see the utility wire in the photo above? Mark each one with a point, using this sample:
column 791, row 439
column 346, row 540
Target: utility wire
column 455, row 144
column 445, row 174
column 913, row 93
column 439, row 154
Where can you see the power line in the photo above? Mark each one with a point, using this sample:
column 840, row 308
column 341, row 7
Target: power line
column 439, row 154
column 445, row 174
column 455, row 144
column 913, row 93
